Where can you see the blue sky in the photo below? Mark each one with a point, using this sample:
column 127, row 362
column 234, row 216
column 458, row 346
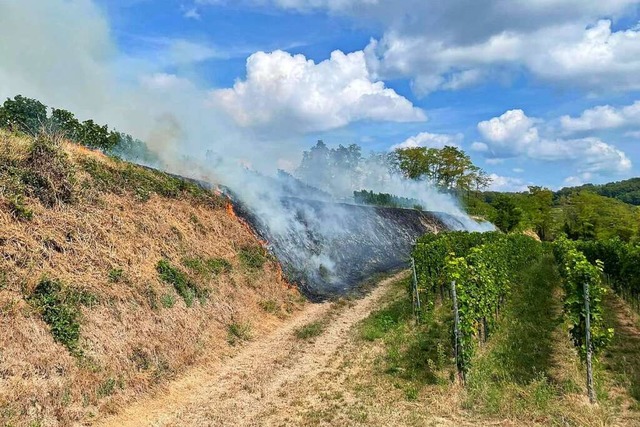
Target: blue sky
column 543, row 92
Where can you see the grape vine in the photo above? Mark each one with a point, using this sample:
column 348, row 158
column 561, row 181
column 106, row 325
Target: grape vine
column 577, row 271
column 621, row 265
column 482, row 267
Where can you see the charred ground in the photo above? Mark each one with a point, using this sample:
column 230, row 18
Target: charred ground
column 364, row 241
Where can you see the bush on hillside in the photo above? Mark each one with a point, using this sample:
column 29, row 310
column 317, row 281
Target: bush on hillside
column 59, row 312
column 184, row 286
column 19, row 209
column 49, row 175
column 23, row 114
column 252, row 257
column 65, row 123
column 30, row 116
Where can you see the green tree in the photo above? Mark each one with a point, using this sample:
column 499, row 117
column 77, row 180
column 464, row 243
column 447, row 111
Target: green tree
column 315, row 164
column 590, row 216
column 541, row 214
column 627, row 191
column 132, row 150
column 95, row 136
column 65, row 122
column 23, row 114
column 414, row 162
column 449, row 168
column 454, row 170
column 337, row 169
column 507, row 214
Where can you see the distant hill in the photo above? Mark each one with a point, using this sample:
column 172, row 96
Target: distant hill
column 627, row 191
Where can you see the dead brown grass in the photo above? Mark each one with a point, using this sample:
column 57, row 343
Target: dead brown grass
column 130, row 342
column 268, row 381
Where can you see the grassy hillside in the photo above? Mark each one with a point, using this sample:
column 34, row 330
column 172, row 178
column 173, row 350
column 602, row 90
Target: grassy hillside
column 114, row 278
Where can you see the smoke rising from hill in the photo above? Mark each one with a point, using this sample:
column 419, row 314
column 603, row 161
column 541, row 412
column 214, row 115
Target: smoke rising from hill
column 68, row 59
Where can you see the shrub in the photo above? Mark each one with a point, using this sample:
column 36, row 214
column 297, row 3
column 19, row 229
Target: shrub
column 49, row 176
column 64, row 122
column 95, row 136
column 19, row 210
column 168, row 300
column 237, row 332
column 252, row 257
column 207, row 267
column 218, row 265
column 141, row 359
column 115, row 275
column 80, row 297
column 178, row 279
column 23, row 114
column 59, row 312
column 196, row 265
column 185, row 287
column 133, row 150
column 270, row 306
column 106, row 388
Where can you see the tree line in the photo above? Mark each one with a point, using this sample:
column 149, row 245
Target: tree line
column 627, row 191
column 579, row 214
column 30, row 116
column 449, row 168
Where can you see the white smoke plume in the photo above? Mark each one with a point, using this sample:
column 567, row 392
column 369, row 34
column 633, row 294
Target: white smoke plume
column 62, row 53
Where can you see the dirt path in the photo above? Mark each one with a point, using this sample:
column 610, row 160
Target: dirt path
column 236, row 391
column 622, row 358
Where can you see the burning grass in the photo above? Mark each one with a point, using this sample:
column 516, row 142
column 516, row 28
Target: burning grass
column 93, row 310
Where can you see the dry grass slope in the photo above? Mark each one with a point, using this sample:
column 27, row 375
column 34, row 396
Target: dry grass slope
column 99, row 227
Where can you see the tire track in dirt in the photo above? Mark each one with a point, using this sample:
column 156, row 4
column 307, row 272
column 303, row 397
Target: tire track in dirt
column 235, row 391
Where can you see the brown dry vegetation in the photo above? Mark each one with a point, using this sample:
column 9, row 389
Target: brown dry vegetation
column 83, row 223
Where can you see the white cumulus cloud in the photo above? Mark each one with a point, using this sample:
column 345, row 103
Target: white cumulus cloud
column 506, row 183
column 290, row 92
column 603, row 117
column 511, row 133
column 456, row 43
column 602, row 58
column 430, row 140
column 514, row 134
column 595, row 58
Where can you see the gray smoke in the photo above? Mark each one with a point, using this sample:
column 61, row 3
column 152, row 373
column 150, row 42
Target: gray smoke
column 326, row 243
column 66, row 58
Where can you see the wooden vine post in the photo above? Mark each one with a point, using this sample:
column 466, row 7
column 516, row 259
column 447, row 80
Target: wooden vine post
column 457, row 346
column 415, row 293
column 590, row 390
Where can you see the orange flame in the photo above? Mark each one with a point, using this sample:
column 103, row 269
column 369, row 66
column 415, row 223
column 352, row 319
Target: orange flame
column 232, row 213
column 279, row 272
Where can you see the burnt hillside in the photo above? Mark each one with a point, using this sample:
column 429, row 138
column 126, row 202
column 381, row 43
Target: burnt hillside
column 351, row 242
